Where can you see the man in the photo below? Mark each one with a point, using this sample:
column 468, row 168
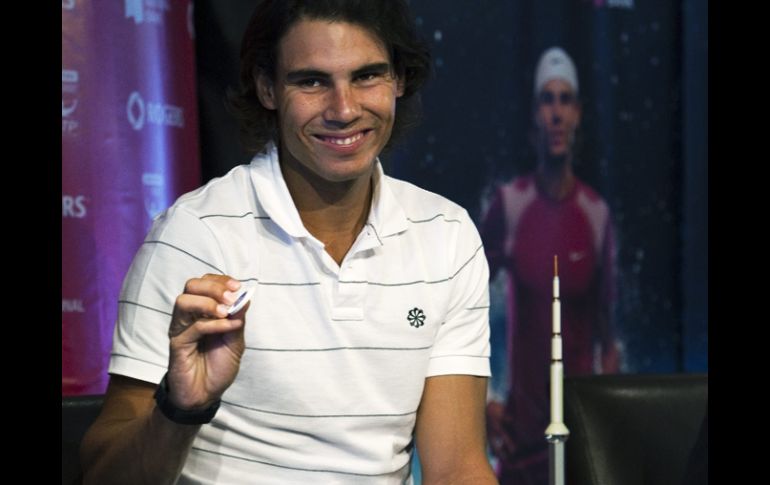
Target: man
column 531, row 219
column 367, row 333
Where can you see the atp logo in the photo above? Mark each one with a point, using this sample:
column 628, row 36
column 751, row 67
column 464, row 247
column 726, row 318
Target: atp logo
column 68, row 109
column 416, row 317
column 69, row 101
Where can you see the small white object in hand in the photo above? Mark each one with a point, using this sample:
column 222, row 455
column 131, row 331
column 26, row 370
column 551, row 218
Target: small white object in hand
column 244, row 295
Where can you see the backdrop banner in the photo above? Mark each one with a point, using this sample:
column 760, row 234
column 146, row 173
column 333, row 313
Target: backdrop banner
column 129, row 148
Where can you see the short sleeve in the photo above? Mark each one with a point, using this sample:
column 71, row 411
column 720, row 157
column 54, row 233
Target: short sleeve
column 462, row 342
column 178, row 247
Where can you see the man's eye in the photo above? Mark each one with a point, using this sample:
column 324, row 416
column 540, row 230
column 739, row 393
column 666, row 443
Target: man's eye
column 367, row 77
column 309, row 83
column 546, row 98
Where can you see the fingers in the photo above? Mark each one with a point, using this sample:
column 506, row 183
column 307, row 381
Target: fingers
column 219, row 287
column 206, row 301
column 202, row 306
column 210, row 326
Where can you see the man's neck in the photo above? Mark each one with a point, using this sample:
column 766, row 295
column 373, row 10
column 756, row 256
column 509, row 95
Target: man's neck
column 556, row 180
column 333, row 212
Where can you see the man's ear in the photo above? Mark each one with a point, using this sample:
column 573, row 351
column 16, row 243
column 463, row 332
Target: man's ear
column 265, row 91
column 400, row 85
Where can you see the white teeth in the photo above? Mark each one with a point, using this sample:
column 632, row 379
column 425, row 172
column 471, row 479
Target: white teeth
column 346, row 141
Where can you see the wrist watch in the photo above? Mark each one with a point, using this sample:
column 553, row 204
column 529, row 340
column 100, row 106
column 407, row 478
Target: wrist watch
column 182, row 416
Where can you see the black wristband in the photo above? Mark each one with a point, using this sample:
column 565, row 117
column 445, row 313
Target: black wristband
column 182, row 416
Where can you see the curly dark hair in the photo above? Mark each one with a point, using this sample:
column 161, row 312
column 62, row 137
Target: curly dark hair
column 389, row 20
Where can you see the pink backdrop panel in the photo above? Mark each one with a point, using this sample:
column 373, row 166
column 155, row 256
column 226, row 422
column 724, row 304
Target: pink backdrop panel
column 129, row 149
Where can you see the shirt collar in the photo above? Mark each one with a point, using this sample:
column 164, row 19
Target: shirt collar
column 386, row 215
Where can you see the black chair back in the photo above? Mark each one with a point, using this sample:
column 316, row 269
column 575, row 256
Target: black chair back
column 77, row 415
column 636, row 429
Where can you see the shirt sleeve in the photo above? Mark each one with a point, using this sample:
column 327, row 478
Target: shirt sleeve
column 178, row 247
column 462, row 341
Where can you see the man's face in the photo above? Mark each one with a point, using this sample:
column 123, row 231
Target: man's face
column 557, row 116
column 335, row 95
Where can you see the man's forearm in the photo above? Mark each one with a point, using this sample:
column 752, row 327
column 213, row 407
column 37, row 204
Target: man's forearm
column 149, row 449
column 482, row 476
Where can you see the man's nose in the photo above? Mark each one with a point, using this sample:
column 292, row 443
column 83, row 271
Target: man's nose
column 343, row 106
column 557, row 113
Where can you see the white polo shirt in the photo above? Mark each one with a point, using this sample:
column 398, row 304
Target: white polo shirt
column 336, row 356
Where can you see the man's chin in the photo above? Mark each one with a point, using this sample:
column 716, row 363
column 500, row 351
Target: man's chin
column 346, row 171
column 556, row 160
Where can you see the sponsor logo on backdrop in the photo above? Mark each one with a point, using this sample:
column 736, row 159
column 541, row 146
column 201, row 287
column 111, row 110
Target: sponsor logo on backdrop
column 72, row 306
column 146, row 11
column 69, row 76
column 73, row 206
column 68, row 108
column 69, row 101
column 68, row 4
column 135, row 110
column 627, row 4
column 153, row 112
column 69, row 127
column 190, row 20
column 152, row 184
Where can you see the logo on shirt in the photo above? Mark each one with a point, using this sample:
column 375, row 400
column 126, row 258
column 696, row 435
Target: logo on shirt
column 416, row 317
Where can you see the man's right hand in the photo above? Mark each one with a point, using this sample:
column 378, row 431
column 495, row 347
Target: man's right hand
column 205, row 344
column 132, row 441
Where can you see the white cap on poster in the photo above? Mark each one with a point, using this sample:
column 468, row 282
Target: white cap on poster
column 555, row 63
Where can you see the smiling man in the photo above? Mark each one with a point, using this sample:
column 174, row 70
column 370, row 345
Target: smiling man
column 531, row 219
column 367, row 333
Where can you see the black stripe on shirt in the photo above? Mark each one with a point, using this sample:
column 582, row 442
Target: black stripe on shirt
column 460, row 355
column 144, row 306
column 278, row 413
column 187, row 253
column 162, row 366
column 333, row 349
column 409, row 463
column 418, row 281
column 278, row 283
